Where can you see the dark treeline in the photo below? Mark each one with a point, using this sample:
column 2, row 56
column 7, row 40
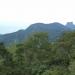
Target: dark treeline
column 38, row 56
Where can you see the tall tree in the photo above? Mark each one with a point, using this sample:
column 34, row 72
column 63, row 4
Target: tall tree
column 36, row 53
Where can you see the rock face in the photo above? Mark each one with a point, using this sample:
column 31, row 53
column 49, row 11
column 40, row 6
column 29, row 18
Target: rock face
column 54, row 30
column 70, row 25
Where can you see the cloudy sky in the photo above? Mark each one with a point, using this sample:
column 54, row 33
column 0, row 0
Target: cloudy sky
column 19, row 14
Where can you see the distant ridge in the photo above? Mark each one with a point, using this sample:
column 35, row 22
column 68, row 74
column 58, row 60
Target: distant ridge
column 70, row 25
column 54, row 30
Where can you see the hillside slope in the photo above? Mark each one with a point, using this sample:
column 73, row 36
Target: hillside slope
column 54, row 30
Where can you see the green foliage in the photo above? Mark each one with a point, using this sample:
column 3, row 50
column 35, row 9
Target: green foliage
column 72, row 67
column 56, row 70
column 38, row 56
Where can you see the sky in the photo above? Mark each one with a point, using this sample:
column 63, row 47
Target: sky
column 19, row 14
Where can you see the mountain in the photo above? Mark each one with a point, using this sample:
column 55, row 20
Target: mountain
column 54, row 30
column 70, row 25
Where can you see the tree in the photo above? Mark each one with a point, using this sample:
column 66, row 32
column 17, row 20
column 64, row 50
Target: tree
column 56, row 70
column 6, row 60
column 72, row 67
column 35, row 53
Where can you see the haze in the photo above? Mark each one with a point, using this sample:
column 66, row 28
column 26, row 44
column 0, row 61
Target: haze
column 19, row 14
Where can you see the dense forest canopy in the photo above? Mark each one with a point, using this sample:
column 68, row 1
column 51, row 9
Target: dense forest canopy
column 38, row 56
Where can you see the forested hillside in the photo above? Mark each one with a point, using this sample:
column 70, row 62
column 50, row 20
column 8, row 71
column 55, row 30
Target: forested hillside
column 38, row 56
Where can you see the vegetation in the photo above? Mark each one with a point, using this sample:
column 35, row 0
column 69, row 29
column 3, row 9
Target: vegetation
column 39, row 56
